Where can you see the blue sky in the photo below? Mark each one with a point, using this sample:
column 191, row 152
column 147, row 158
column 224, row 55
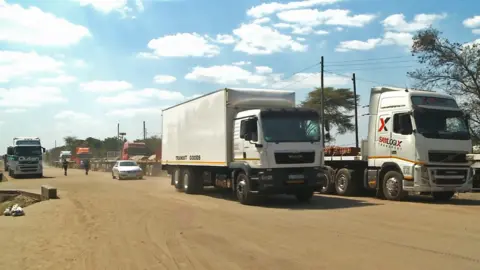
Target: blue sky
column 79, row 67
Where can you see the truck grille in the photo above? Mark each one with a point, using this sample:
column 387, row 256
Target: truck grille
column 27, row 162
column 447, row 157
column 295, row 158
column 450, row 177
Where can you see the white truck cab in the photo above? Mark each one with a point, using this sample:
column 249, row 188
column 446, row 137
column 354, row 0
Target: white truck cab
column 418, row 141
column 25, row 157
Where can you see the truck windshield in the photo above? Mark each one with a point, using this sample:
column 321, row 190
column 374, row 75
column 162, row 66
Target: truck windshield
column 291, row 126
column 441, row 124
column 28, row 151
column 137, row 151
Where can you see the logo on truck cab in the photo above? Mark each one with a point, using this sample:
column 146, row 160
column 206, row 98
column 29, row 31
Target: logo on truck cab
column 28, row 158
column 383, row 124
column 390, row 142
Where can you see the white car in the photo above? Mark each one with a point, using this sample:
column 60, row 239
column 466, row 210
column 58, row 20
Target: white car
column 126, row 169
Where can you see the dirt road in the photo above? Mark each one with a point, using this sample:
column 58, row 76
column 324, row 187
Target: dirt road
column 101, row 223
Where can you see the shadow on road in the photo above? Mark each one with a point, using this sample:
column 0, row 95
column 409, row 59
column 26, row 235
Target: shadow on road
column 318, row 202
column 454, row 201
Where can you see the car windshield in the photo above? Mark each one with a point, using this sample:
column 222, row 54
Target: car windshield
column 441, row 124
column 28, row 151
column 128, row 164
column 291, row 126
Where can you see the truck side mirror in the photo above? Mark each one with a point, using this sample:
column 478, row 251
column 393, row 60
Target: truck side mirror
column 10, row 150
column 327, row 126
column 467, row 120
column 43, row 149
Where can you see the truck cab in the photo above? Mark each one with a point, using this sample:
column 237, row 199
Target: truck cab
column 421, row 136
column 24, row 157
column 134, row 149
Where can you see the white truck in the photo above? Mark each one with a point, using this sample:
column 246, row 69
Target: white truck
column 417, row 142
column 67, row 155
column 24, row 157
column 252, row 141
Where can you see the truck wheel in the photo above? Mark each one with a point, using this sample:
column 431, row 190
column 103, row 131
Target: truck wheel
column 243, row 190
column 443, row 196
column 177, row 179
column 191, row 183
column 329, row 187
column 343, row 182
column 304, row 195
column 393, row 187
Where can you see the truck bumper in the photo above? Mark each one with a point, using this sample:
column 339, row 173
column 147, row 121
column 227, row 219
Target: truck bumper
column 287, row 180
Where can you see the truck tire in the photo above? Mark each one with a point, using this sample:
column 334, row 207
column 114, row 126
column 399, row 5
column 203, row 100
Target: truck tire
column 329, row 187
column 304, row 195
column 177, row 179
column 443, row 196
column 393, row 187
column 191, row 182
column 242, row 189
column 344, row 185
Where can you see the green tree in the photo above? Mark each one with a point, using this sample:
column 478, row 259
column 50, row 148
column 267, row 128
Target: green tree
column 450, row 66
column 339, row 105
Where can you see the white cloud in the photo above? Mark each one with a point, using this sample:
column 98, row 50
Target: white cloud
column 132, row 112
column 310, row 81
column 299, row 29
column 400, row 39
column 105, row 86
column 121, row 6
column 241, row 63
column 358, row 45
column 475, row 42
column 72, row 116
column 164, row 79
column 262, row 20
column 30, row 97
column 79, row 63
column 181, row 45
column 473, row 22
column 273, row 7
column 61, row 79
column 301, row 39
column 140, row 96
column 397, row 22
column 263, row 70
column 15, row 64
column 314, row 17
column 14, row 110
column 33, row 26
column 257, row 39
column 233, row 75
column 225, row 74
column 389, row 38
column 225, row 39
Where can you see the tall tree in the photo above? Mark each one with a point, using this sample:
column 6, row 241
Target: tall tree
column 339, row 105
column 450, row 66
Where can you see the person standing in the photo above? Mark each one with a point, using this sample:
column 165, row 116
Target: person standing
column 65, row 165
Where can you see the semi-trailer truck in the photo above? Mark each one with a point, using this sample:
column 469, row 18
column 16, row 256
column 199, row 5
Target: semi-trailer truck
column 24, row 157
column 252, row 141
column 417, row 142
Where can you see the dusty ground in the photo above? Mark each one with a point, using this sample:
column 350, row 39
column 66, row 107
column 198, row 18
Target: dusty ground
column 101, row 223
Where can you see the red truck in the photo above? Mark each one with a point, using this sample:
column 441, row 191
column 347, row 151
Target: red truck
column 134, row 149
column 82, row 153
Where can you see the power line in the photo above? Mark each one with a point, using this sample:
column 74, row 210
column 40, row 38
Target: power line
column 372, row 63
column 374, row 68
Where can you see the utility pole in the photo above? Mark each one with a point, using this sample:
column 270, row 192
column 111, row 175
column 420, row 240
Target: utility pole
column 356, row 109
column 144, row 132
column 323, row 101
column 55, row 143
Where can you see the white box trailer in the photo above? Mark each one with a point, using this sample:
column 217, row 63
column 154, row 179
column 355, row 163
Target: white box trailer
column 254, row 141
